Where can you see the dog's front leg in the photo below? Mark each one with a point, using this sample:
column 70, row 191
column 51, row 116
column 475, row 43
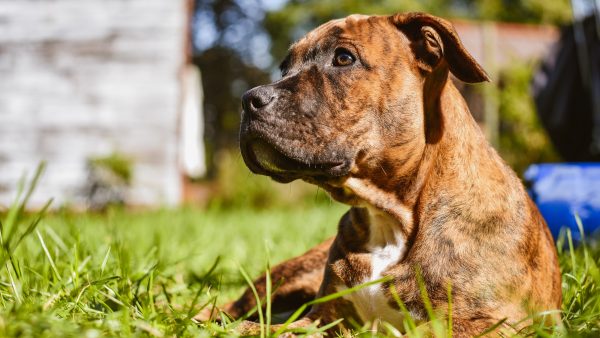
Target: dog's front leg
column 295, row 282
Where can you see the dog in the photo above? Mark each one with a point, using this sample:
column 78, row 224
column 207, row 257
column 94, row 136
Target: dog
column 365, row 110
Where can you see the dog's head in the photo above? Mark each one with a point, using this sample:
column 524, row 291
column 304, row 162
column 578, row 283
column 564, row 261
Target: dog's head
column 352, row 92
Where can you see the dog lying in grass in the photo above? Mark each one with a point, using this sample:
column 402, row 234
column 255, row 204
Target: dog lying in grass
column 365, row 109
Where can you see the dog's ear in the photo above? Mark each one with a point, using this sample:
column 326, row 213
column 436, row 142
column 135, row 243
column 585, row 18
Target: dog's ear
column 433, row 40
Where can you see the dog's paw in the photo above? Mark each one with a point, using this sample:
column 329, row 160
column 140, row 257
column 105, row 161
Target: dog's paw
column 248, row 328
column 207, row 314
column 293, row 335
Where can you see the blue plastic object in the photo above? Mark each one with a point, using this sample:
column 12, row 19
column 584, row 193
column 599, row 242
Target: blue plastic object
column 564, row 190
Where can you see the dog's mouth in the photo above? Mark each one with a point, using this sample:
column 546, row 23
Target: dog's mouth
column 264, row 158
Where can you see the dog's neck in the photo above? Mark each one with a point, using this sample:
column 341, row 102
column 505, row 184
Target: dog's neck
column 458, row 153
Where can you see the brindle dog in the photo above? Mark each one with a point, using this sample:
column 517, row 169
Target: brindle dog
column 365, row 109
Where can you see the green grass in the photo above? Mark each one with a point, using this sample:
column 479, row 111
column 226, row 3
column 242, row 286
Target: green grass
column 145, row 273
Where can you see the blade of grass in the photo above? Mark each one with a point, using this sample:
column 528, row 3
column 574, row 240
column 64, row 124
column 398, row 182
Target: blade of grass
column 50, row 260
column 257, row 298
column 449, row 319
column 572, row 252
column 105, row 260
column 268, row 295
column 391, row 329
column 583, row 243
column 580, row 228
column 150, row 293
column 13, row 211
column 11, row 247
column 203, row 283
column 14, row 286
column 412, row 326
column 438, row 329
column 12, row 218
column 56, row 238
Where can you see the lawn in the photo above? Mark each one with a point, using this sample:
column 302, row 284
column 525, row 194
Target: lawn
column 137, row 273
column 145, row 273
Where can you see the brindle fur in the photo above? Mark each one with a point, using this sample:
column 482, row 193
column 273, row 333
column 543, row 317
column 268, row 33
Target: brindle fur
column 391, row 135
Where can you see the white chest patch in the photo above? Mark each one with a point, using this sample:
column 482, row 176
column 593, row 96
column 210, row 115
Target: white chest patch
column 386, row 247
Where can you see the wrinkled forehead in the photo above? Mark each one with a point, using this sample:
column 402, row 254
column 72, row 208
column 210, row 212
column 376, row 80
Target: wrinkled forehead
column 348, row 25
column 357, row 29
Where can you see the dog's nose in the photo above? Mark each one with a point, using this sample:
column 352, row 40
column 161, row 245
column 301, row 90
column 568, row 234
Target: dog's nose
column 257, row 98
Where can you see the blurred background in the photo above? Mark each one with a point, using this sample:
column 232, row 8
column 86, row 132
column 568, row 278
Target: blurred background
column 136, row 102
column 134, row 107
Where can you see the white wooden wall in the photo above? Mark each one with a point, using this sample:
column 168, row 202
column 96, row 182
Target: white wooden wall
column 81, row 78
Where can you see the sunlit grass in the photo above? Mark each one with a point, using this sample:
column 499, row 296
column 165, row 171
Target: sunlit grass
column 146, row 273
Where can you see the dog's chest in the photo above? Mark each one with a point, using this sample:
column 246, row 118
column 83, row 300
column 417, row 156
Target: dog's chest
column 385, row 247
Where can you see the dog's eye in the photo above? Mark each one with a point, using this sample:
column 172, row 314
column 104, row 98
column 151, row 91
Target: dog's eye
column 343, row 58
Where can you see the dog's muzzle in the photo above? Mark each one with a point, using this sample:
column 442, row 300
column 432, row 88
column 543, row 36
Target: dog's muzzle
column 267, row 154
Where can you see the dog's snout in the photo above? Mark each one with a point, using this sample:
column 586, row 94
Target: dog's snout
column 257, row 98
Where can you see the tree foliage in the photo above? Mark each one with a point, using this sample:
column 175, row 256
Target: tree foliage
column 227, row 43
column 299, row 16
